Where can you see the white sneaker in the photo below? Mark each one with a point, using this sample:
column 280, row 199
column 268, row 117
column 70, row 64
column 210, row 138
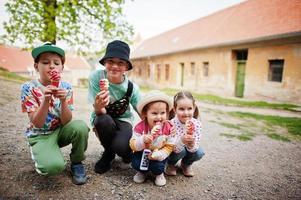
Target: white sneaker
column 160, row 180
column 139, row 177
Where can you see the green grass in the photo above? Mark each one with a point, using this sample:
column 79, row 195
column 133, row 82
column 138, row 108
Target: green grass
column 12, row 76
column 241, row 137
column 231, row 102
column 278, row 137
column 228, row 125
column 292, row 124
column 272, row 124
column 228, row 135
column 245, row 136
column 235, row 102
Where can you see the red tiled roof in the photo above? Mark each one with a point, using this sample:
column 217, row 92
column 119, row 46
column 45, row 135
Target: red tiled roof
column 252, row 20
column 14, row 59
column 17, row 60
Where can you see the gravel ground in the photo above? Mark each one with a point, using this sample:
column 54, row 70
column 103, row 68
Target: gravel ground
column 261, row 168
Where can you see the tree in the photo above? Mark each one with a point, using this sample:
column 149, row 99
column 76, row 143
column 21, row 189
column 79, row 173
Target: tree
column 85, row 25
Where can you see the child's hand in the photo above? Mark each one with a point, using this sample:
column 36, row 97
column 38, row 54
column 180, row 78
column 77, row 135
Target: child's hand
column 60, row 93
column 102, row 99
column 147, row 139
column 47, row 93
column 155, row 132
column 173, row 131
column 188, row 140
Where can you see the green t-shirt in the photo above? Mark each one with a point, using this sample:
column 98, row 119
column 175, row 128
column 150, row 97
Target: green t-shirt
column 116, row 91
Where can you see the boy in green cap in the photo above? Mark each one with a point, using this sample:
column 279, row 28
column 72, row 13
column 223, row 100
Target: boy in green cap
column 49, row 102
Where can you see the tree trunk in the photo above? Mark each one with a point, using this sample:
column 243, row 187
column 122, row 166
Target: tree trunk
column 49, row 25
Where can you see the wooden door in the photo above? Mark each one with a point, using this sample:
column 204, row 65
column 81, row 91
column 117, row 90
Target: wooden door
column 240, row 78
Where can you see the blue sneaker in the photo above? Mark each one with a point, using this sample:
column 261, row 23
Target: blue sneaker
column 78, row 174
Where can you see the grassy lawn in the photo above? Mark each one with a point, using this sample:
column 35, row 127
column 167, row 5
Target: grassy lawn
column 292, row 124
column 231, row 102
column 242, row 137
column 12, row 76
column 278, row 128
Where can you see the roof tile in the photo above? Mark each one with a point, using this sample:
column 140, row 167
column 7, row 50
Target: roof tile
column 18, row 60
column 250, row 20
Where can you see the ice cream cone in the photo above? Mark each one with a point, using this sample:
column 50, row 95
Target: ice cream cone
column 55, row 77
column 155, row 132
column 104, row 84
column 55, row 83
column 189, row 127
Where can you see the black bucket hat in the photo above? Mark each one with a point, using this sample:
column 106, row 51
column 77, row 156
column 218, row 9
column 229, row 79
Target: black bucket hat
column 118, row 49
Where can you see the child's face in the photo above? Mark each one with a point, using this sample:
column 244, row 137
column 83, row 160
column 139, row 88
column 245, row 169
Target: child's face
column 48, row 62
column 156, row 112
column 184, row 109
column 115, row 68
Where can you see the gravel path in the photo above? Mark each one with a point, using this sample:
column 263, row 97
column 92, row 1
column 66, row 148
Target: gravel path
column 261, row 168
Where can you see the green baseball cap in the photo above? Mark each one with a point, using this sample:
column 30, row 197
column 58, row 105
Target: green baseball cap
column 47, row 47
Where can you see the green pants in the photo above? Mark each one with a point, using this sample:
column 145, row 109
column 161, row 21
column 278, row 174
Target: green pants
column 45, row 149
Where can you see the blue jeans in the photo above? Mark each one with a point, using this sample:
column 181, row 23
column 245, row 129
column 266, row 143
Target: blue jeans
column 155, row 166
column 187, row 157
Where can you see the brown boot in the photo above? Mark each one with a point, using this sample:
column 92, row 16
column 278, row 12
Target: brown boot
column 187, row 170
column 171, row 170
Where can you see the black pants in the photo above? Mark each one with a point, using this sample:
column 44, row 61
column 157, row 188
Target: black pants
column 114, row 136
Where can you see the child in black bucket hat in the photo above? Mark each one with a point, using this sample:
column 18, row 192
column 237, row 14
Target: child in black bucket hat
column 112, row 116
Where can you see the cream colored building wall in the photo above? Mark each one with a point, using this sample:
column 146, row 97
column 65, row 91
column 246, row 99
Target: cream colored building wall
column 220, row 79
column 257, row 84
column 222, row 71
column 73, row 76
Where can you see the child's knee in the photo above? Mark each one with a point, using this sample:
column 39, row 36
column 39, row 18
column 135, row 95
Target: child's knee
column 199, row 153
column 80, row 130
column 51, row 168
column 81, row 127
column 157, row 167
column 122, row 149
